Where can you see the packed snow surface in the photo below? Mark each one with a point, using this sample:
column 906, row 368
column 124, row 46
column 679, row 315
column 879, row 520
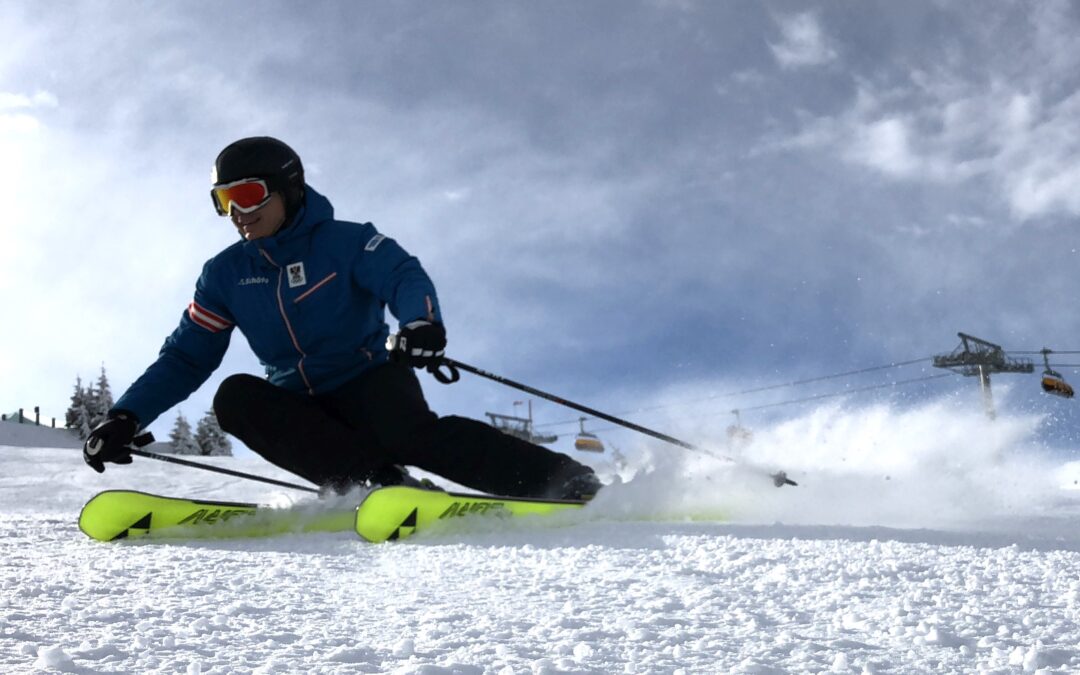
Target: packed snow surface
column 912, row 545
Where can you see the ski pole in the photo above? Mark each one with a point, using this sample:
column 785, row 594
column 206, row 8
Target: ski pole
column 148, row 438
column 779, row 478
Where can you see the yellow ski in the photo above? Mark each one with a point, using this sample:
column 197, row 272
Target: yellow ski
column 123, row 514
column 391, row 513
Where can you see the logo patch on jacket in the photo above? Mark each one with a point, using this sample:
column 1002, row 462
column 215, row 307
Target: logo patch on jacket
column 374, row 242
column 296, row 274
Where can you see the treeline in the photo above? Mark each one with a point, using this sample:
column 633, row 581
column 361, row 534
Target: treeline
column 91, row 403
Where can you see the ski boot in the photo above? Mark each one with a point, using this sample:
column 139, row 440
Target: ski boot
column 395, row 474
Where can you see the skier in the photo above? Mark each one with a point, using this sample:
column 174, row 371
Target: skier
column 309, row 293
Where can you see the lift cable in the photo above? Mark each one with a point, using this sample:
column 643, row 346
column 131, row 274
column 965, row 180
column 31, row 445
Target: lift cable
column 1051, row 351
column 794, row 383
column 848, row 392
column 811, row 398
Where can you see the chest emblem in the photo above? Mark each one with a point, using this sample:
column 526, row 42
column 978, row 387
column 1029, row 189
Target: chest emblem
column 296, row 274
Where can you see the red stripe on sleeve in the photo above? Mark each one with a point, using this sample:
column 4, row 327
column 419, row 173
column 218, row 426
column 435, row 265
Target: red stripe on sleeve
column 207, row 319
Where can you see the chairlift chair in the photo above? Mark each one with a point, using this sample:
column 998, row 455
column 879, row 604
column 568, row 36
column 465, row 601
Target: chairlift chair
column 738, row 435
column 1052, row 381
column 586, row 441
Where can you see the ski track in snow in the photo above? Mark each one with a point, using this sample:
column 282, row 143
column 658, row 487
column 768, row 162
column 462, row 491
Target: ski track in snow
column 630, row 584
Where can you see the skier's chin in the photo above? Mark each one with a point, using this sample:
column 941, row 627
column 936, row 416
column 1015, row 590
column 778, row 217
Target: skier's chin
column 250, row 231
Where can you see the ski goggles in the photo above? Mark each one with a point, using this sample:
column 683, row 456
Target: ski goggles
column 244, row 195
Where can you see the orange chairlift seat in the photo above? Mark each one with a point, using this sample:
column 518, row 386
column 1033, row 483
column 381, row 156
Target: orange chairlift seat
column 586, row 441
column 1052, row 381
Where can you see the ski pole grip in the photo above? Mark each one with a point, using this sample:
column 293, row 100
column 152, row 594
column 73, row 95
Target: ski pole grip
column 143, row 440
column 450, row 378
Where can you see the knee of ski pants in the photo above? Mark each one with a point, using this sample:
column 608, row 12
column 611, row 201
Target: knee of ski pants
column 231, row 395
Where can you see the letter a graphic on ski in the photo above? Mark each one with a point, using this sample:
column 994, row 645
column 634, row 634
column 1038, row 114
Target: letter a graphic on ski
column 395, row 512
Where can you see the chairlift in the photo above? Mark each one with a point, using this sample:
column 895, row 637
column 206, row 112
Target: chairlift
column 1052, row 381
column 520, row 427
column 586, row 441
column 738, row 435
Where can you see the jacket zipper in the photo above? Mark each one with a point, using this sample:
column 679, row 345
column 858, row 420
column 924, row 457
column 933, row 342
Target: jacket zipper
column 288, row 325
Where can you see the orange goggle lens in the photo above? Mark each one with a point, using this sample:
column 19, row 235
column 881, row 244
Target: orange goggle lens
column 243, row 195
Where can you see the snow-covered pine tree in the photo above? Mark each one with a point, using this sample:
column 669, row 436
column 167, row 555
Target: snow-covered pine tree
column 71, row 416
column 78, row 416
column 100, row 400
column 180, row 437
column 90, row 397
column 210, row 438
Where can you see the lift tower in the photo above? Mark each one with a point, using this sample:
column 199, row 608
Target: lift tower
column 520, row 427
column 979, row 357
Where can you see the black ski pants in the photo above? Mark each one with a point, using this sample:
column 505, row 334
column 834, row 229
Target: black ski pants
column 379, row 419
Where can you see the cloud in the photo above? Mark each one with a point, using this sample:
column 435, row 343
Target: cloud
column 18, row 124
column 14, row 118
column 40, row 99
column 937, row 132
column 885, row 144
column 804, row 42
column 1005, row 119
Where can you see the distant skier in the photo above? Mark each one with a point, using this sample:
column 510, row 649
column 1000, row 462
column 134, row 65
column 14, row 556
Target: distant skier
column 309, row 293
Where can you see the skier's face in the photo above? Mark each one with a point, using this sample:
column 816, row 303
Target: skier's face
column 263, row 221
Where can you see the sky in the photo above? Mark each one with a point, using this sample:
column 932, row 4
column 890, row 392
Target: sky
column 637, row 205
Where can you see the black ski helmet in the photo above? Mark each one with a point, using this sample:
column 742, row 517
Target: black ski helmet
column 267, row 158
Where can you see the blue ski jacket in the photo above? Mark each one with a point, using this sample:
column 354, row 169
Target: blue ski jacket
column 310, row 300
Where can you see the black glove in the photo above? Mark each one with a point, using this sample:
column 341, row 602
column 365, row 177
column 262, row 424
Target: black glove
column 420, row 344
column 109, row 441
